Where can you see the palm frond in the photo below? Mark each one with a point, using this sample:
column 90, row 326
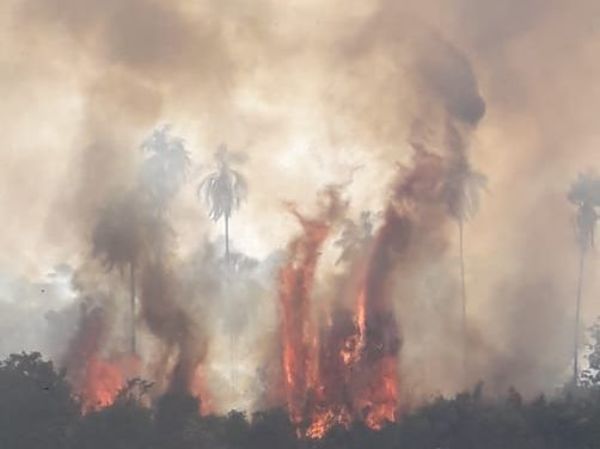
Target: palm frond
column 585, row 194
column 165, row 167
column 462, row 190
column 223, row 190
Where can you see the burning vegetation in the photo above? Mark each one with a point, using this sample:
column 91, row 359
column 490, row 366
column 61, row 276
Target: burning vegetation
column 339, row 362
column 322, row 264
column 340, row 339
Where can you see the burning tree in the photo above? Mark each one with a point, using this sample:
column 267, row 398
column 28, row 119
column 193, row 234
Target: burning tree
column 585, row 194
column 340, row 368
column 95, row 378
column 223, row 191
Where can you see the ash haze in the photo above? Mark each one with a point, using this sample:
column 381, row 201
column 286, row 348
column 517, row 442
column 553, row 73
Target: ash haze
column 388, row 102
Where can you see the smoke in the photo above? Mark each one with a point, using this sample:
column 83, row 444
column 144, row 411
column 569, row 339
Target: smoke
column 433, row 103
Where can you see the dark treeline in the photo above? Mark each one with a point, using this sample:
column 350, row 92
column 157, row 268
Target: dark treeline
column 38, row 410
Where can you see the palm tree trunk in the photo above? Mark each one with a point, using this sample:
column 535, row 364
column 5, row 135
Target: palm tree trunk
column 132, row 306
column 232, row 362
column 577, row 319
column 463, row 290
column 227, row 239
column 232, row 337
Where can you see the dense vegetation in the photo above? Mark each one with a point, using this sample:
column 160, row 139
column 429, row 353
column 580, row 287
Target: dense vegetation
column 37, row 410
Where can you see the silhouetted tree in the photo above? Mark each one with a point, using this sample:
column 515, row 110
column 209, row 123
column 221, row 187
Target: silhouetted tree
column 176, row 413
column 462, row 190
column 272, row 429
column 119, row 239
column 38, row 412
column 132, row 224
column 36, row 406
column 164, row 168
column 228, row 432
column 223, row 191
column 585, row 194
column 125, row 424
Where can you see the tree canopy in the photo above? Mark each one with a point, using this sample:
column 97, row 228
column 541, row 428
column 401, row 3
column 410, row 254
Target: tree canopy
column 37, row 410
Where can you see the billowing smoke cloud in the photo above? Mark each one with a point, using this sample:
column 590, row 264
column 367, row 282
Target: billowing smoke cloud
column 424, row 98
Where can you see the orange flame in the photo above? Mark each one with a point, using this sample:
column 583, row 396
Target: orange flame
column 345, row 371
column 102, row 383
column 296, row 280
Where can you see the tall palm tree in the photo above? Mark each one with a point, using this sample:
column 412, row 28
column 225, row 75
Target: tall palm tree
column 585, row 194
column 118, row 241
column 129, row 226
column 462, row 190
column 223, row 191
column 164, row 168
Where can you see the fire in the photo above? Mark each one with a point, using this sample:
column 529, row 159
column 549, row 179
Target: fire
column 338, row 362
column 379, row 401
column 199, row 390
column 355, row 343
column 323, row 420
column 296, row 280
column 375, row 389
column 103, row 381
column 95, row 378
column 345, row 370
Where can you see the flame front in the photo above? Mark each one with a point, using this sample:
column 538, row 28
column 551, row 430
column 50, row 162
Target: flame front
column 299, row 344
column 102, row 383
column 345, row 369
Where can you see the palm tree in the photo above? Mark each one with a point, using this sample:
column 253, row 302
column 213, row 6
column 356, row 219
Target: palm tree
column 129, row 227
column 585, row 194
column 165, row 167
column 163, row 172
column 118, row 241
column 223, row 191
column 462, row 189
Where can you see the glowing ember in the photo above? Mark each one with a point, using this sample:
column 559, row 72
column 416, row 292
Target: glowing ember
column 324, row 420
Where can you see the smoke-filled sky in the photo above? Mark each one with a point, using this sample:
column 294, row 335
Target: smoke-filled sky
column 312, row 93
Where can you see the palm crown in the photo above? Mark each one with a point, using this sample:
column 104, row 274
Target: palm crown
column 165, row 167
column 462, row 190
column 585, row 194
column 223, row 190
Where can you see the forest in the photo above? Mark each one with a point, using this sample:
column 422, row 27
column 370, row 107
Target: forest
column 39, row 410
column 269, row 224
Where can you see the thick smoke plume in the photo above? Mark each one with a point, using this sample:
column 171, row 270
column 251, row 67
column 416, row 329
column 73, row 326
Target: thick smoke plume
column 447, row 255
